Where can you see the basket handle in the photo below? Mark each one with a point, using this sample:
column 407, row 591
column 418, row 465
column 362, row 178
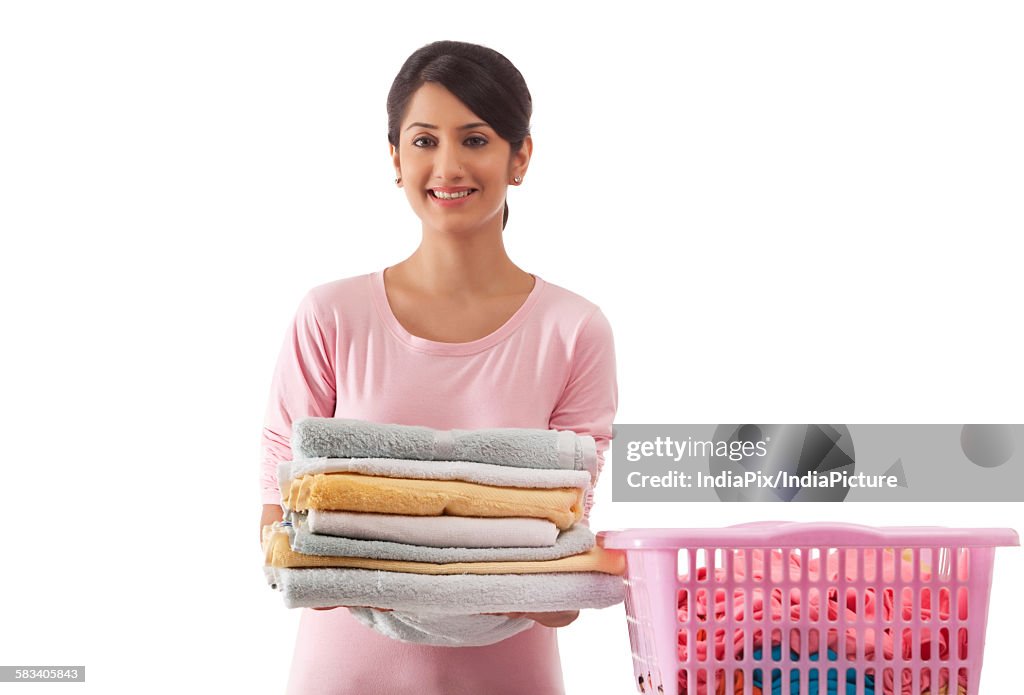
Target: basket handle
column 771, row 534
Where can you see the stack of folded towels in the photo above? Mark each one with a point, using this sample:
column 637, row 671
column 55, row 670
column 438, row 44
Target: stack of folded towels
column 443, row 530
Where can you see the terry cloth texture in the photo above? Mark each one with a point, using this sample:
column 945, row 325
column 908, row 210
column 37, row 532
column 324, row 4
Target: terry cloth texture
column 469, row 471
column 366, row 493
column 574, row 541
column 279, row 554
column 518, row 447
column 442, row 630
column 455, row 594
column 435, row 531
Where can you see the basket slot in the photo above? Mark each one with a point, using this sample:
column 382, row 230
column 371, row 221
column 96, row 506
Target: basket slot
column 906, row 645
column 776, row 569
column 945, row 564
column 924, row 599
column 757, row 561
column 700, row 606
column 719, row 639
column 963, row 564
column 854, row 602
column 776, row 600
column 906, row 560
column 740, row 568
column 684, row 562
column 870, row 644
column 722, row 564
column 832, row 637
column 740, row 604
column 814, row 565
column 906, row 606
column 816, row 613
column 759, row 602
column 870, row 562
column 870, row 607
column 717, row 615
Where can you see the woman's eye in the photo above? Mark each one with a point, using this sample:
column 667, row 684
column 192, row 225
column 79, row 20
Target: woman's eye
column 422, row 141
column 476, row 141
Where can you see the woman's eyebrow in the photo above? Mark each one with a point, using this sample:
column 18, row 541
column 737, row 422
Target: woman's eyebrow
column 431, row 126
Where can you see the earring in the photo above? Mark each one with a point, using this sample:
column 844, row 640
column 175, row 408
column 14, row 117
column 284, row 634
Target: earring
column 398, row 180
column 517, row 180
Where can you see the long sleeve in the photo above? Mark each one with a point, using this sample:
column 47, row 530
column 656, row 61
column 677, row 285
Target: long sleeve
column 303, row 386
column 590, row 398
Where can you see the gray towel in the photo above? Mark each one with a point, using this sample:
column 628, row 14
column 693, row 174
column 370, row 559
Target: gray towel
column 443, row 630
column 452, row 594
column 517, row 447
column 573, row 541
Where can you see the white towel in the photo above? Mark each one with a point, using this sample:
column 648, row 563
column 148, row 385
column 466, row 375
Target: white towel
column 469, row 471
column 435, row 531
column 442, row 630
column 453, row 594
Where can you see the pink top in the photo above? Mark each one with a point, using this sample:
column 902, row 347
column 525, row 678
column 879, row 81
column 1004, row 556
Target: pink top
column 550, row 366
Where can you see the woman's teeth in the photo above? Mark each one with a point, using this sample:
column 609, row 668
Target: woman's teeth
column 450, row 196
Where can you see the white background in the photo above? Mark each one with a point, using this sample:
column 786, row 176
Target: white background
column 790, row 212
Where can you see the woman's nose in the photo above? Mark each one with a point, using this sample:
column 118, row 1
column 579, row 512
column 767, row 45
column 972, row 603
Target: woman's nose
column 448, row 161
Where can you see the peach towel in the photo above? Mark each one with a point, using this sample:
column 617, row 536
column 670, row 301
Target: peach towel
column 352, row 492
column 279, row 554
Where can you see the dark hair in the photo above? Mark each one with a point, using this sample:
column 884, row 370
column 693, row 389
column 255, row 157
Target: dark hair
column 481, row 78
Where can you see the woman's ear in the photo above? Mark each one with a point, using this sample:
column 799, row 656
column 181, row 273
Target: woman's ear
column 396, row 161
column 521, row 159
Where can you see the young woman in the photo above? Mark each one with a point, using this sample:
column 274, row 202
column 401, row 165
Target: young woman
column 454, row 336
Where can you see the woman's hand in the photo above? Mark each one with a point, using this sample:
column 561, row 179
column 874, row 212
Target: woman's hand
column 556, row 619
column 271, row 513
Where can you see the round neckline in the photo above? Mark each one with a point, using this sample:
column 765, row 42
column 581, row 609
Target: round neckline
column 380, row 300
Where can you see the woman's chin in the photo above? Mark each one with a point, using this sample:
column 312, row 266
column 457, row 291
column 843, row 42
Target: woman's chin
column 461, row 225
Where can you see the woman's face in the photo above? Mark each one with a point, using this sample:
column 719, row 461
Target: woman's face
column 453, row 166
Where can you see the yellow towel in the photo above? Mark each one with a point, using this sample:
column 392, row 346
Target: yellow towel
column 369, row 493
column 279, row 554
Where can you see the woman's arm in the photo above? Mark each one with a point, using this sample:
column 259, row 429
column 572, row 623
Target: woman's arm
column 587, row 406
column 590, row 397
column 303, row 386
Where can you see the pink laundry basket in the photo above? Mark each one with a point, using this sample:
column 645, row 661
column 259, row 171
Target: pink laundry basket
column 827, row 608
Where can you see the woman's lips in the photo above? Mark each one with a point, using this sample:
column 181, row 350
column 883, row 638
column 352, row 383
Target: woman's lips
column 450, row 197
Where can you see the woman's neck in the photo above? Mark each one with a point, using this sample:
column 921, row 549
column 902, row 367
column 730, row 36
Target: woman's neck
column 454, row 267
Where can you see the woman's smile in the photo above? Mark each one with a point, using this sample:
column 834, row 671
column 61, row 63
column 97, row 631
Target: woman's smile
column 450, row 196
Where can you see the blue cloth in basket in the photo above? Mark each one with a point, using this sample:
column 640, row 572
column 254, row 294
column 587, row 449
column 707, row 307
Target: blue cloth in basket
column 831, row 684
